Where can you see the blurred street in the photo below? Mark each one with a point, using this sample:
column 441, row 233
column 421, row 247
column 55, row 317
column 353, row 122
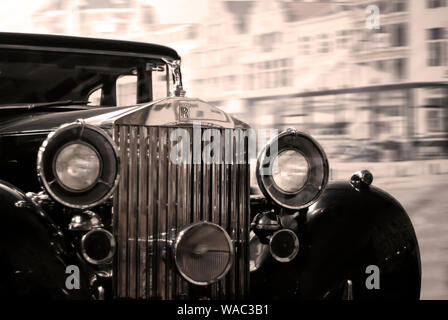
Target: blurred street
column 424, row 199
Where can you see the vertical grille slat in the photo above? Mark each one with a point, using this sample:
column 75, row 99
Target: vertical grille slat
column 132, row 214
column 233, row 220
column 121, row 223
column 153, row 195
column 156, row 198
column 224, row 205
column 161, row 212
column 171, row 219
column 142, row 227
column 215, row 210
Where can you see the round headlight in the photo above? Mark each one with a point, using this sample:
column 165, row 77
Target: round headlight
column 77, row 166
column 292, row 170
column 203, row 253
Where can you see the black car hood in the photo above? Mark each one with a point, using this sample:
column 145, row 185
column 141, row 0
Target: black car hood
column 163, row 112
column 24, row 121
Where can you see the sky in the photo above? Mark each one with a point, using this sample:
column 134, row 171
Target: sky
column 15, row 14
column 179, row 11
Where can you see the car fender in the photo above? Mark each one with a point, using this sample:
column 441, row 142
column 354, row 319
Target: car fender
column 341, row 235
column 34, row 254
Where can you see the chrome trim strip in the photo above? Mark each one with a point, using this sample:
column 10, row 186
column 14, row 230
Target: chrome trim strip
column 348, row 291
column 26, row 133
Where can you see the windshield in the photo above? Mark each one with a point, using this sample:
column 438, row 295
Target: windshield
column 31, row 76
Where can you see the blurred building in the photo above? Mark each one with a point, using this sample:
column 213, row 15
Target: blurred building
column 367, row 94
column 125, row 19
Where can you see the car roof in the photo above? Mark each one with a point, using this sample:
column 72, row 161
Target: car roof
column 87, row 45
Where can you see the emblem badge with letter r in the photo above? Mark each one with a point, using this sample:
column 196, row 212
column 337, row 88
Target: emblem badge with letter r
column 184, row 111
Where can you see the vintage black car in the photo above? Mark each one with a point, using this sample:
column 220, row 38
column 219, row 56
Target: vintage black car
column 94, row 207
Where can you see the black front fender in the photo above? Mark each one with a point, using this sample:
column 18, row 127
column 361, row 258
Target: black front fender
column 342, row 234
column 33, row 251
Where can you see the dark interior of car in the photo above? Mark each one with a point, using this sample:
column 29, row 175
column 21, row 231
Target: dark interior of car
column 44, row 76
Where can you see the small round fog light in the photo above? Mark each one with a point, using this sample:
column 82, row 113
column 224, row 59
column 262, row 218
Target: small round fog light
column 284, row 245
column 203, row 253
column 98, row 246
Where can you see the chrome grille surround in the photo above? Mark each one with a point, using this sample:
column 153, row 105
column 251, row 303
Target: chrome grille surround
column 156, row 198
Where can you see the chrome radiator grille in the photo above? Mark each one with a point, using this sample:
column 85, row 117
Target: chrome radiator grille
column 156, row 197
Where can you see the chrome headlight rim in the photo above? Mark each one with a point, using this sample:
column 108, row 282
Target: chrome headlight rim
column 178, row 239
column 97, row 139
column 318, row 174
column 293, row 253
column 109, row 257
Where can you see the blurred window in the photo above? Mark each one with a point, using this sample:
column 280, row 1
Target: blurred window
column 126, row 90
column 95, row 97
column 324, row 45
column 435, row 102
column 433, row 121
column 398, row 34
column 269, row 74
column 436, row 33
column 435, row 3
column 267, row 41
column 160, row 82
column 399, row 69
column 304, row 45
column 436, row 47
column 382, row 5
column 399, row 6
column 342, row 38
column 379, row 65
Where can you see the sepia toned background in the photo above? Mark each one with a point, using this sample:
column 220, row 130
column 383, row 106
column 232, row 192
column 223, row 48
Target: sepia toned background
column 374, row 98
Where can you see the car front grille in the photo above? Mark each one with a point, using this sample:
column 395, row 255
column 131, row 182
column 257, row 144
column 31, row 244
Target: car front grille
column 156, row 198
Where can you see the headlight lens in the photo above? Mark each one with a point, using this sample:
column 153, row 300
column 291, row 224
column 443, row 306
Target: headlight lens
column 77, row 166
column 203, row 253
column 290, row 171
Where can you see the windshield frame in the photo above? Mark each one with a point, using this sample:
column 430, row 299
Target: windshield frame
column 144, row 84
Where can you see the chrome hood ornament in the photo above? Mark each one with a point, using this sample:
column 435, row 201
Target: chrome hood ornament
column 177, row 89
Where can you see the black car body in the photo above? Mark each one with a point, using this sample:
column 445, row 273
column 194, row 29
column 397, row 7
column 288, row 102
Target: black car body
column 91, row 186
